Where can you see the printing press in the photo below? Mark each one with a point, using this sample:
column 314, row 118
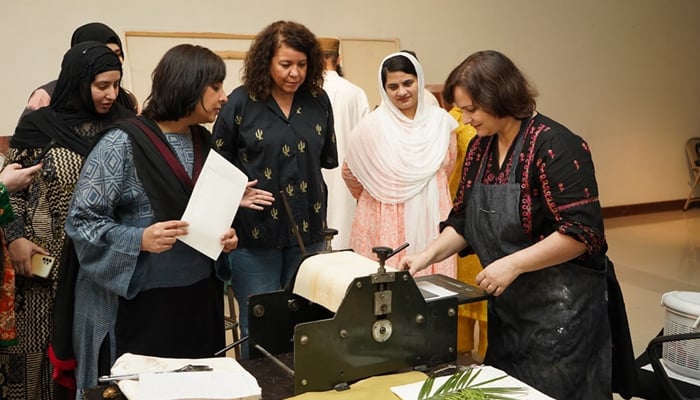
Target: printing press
column 345, row 317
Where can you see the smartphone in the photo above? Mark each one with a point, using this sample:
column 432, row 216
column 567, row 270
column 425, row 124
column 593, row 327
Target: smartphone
column 41, row 155
column 42, row 264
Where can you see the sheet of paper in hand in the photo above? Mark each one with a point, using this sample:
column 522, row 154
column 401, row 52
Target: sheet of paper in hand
column 213, row 204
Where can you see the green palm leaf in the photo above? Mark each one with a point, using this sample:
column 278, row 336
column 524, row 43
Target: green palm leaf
column 461, row 386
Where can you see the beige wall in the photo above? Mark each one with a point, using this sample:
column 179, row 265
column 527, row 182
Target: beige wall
column 624, row 74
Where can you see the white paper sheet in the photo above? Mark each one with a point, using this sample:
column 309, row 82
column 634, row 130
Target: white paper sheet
column 213, row 204
column 434, row 291
column 673, row 374
column 410, row 391
column 227, row 380
column 324, row 278
column 211, row 385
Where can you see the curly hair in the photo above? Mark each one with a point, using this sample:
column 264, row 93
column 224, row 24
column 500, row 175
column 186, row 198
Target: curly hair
column 494, row 83
column 256, row 68
column 179, row 81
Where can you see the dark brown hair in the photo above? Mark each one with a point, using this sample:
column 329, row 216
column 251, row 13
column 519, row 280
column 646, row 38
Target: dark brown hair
column 256, row 68
column 333, row 57
column 398, row 63
column 179, row 81
column 494, row 84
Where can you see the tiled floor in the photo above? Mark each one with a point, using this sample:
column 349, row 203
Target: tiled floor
column 654, row 254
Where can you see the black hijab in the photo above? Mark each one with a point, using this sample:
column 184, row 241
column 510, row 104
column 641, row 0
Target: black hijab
column 99, row 32
column 71, row 103
column 95, row 31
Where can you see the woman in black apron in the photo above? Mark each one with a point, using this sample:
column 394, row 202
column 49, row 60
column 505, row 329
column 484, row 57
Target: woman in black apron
column 528, row 207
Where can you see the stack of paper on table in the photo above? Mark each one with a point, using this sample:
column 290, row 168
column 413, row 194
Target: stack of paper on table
column 227, row 380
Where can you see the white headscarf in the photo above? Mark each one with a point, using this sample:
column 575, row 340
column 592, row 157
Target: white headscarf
column 396, row 158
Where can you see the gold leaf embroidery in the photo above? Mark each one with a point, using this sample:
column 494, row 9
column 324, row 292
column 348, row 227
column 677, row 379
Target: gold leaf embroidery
column 268, row 173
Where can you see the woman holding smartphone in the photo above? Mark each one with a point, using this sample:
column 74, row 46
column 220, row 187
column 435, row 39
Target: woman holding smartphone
column 83, row 104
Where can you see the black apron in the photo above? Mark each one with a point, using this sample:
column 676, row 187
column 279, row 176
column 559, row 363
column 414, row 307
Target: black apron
column 549, row 328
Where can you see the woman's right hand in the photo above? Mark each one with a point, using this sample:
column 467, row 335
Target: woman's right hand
column 21, row 251
column 414, row 262
column 161, row 236
column 15, row 178
column 447, row 243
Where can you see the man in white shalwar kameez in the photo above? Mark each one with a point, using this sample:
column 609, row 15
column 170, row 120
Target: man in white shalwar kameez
column 349, row 104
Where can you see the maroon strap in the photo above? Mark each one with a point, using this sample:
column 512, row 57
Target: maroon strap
column 199, row 155
column 171, row 158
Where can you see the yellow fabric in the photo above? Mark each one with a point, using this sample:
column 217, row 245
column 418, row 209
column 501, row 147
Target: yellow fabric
column 465, row 133
column 467, row 267
column 376, row 387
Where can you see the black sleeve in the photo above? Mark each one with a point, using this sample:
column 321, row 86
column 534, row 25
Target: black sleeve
column 225, row 128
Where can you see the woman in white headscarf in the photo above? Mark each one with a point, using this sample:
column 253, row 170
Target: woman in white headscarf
column 398, row 164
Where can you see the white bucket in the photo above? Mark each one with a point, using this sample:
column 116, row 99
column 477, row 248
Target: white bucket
column 682, row 316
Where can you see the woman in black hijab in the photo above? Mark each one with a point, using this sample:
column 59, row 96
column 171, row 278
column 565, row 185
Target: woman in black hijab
column 94, row 31
column 83, row 105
